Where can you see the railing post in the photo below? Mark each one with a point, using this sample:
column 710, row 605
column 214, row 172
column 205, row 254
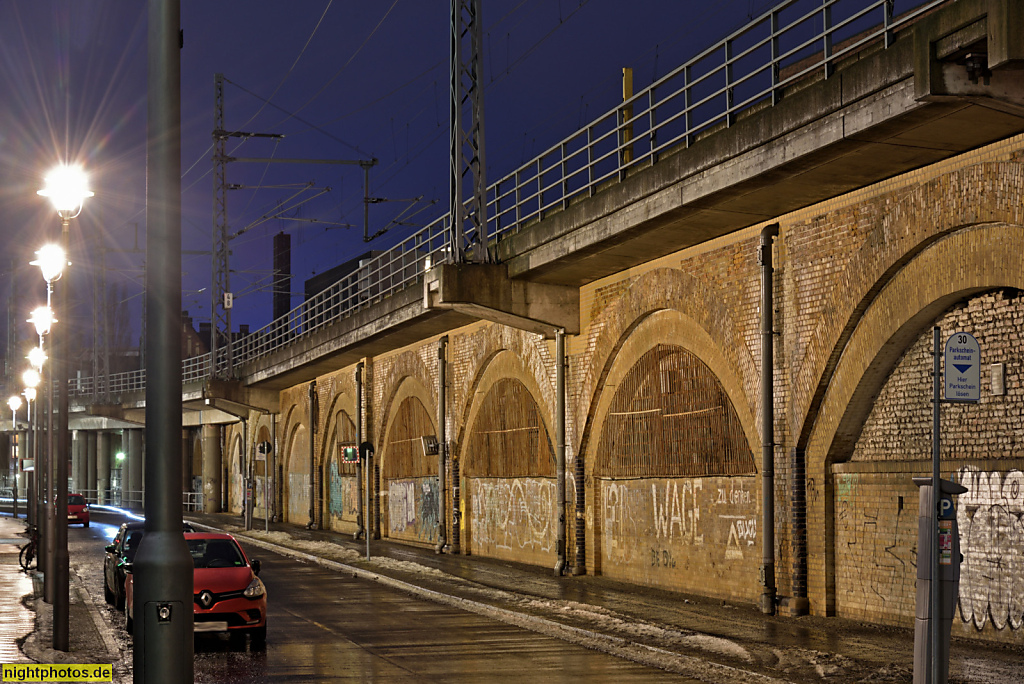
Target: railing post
column 540, row 190
column 687, row 97
column 728, row 83
column 590, row 161
column 565, row 178
column 518, row 200
column 826, row 32
column 652, row 125
column 776, row 93
column 887, row 9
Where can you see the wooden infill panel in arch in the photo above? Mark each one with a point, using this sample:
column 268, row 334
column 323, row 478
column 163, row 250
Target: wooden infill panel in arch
column 511, row 510
column 342, row 490
column 509, row 438
column 671, row 417
column 410, row 476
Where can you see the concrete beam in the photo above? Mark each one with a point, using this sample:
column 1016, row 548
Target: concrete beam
column 485, row 291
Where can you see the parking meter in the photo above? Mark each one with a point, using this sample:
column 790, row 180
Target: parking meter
column 936, row 535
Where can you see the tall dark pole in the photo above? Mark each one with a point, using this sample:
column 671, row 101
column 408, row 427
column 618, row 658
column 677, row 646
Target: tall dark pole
column 163, row 566
column 61, row 576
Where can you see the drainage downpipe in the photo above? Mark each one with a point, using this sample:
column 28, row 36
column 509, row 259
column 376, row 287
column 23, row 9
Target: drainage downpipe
column 767, row 420
column 311, row 525
column 442, row 442
column 560, row 446
column 360, row 526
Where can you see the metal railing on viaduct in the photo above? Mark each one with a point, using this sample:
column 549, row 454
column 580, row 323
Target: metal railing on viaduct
column 794, row 40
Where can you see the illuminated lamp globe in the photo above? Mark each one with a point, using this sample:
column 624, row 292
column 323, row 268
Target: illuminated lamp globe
column 66, row 187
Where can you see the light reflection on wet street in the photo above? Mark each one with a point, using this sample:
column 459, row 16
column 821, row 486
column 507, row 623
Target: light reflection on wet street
column 326, row 626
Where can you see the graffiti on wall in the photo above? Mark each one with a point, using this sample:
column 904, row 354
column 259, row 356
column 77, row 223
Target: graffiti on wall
column 512, row 515
column 342, row 494
column 412, row 508
column 662, row 524
column 876, row 538
column 991, row 520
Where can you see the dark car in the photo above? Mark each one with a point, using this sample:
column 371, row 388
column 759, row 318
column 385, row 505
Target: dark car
column 120, row 551
column 228, row 596
column 78, row 510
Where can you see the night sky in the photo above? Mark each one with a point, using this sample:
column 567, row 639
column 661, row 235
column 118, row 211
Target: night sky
column 339, row 79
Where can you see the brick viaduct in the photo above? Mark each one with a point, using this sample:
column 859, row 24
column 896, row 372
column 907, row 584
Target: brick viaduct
column 898, row 191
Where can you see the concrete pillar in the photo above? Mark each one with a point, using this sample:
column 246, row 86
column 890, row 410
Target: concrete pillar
column 103, row 468
column 117, row 465
column 211, row 469
column 90, row 465
column 134, row 462
column 78, row 460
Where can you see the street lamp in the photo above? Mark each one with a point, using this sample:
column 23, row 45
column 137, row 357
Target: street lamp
column 66, row 187
column 31, row 379
column 14, row 403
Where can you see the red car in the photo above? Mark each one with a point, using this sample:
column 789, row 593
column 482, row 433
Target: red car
column 78, row 510
column 227, row 594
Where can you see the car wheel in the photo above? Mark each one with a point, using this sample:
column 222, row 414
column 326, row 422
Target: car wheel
column 107, row 594
column 129, row 624
column 258, row 637
column 85, row 524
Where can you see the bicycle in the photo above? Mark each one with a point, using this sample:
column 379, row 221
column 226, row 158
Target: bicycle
column 28, row 555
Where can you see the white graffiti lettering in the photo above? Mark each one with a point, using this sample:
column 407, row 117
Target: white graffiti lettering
column 674, row 515
column 513, row 514
column 991, row 521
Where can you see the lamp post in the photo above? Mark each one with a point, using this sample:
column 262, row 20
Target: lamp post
column 51, row 260
column 31, row 380
column 44, row 513
column 67, row 188
column 14, row 403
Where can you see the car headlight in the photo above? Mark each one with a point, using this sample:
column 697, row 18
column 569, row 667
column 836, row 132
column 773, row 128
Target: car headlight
column 255, row 589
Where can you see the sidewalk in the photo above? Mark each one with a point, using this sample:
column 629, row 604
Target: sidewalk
column 704, row 638
column 26, row 620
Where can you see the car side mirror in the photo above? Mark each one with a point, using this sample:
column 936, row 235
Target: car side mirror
column 110, row 548
column 256, row 565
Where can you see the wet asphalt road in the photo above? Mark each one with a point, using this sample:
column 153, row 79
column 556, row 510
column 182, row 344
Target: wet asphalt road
column 325, row 626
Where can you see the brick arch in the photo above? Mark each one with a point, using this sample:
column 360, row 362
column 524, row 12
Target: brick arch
column 235, row 449
column 396, row 371
column 913, row 220
column 534, row 361
column 683, row 331
column 637, row 340
column 970, row 261
column 407, row 387
column 696, row 315
column 498, row 366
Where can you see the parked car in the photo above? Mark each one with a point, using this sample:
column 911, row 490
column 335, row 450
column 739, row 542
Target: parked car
column 78, row 510
column 120, row 551
column 228, row 596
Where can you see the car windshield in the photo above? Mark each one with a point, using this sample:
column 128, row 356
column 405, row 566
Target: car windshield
column 76, row 500
column 215, row 553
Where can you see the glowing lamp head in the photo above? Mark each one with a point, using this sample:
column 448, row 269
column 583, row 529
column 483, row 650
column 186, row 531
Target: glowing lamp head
column 42, row 318
column 14, row 402
column 37, row 357
column 31, row 378
column 66, row 187
column 51, row 260
column 30, row 393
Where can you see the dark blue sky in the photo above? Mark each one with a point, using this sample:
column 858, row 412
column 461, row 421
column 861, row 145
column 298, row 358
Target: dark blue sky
column 346, row 80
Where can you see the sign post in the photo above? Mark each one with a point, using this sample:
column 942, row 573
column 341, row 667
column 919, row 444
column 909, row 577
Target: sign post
column 961, row 384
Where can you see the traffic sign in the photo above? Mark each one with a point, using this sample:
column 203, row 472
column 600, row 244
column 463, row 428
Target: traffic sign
column 963, row 368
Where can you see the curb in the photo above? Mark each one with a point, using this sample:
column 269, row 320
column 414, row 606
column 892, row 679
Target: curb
column 704, row 670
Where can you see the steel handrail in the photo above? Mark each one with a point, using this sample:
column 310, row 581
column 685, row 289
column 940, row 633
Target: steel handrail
column 606, row 148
